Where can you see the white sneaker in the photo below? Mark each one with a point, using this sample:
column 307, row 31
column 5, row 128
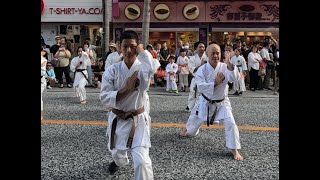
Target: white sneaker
column 216, row 122
column 49, row 87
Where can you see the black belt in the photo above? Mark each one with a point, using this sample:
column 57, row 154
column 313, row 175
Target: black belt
column 81, row 70
column 210, row 121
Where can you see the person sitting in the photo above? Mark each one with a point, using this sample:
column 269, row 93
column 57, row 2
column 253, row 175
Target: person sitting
column 51, row 76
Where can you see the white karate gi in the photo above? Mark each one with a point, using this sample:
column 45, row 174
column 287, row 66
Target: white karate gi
column 194, row 62
column 112, row 59
column 171, row 79
column 184, row 71
column 114, row 79
column 204, row 78
column 80, row 81
column 241, row 65
column 43, row 79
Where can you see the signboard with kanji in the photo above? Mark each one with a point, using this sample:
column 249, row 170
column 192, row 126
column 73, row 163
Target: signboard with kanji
column 242, row 11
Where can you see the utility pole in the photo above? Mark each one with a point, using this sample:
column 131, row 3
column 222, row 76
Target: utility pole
column 107, row 17
column 146, row 23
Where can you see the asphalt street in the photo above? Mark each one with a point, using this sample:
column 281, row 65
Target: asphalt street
column 78, row 149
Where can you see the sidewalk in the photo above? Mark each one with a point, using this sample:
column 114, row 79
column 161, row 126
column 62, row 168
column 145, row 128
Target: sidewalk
column 162, row 91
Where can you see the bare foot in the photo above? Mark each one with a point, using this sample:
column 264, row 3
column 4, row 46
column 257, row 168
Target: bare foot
column 236, row 155
column 107, row 109
column 183, row 132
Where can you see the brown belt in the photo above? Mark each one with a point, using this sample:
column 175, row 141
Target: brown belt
column 125, row 116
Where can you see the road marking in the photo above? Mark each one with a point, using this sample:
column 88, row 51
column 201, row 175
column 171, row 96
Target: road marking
column 253, row 128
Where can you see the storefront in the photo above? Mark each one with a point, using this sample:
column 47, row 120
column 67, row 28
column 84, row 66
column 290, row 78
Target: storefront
column 166, row 24
column 171, row 21
column 74, row 19
column 249, row 21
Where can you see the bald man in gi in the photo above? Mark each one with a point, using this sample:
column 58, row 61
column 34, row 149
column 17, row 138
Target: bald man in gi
column 213, row 103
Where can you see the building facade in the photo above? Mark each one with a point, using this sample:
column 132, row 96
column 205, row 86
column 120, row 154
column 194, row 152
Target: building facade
column 208, row 21
column 74, row 19
column 170, row 21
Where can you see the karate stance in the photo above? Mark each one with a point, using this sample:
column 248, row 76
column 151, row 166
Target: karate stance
column 123, row 89
column 79, row 66
column 214, row 104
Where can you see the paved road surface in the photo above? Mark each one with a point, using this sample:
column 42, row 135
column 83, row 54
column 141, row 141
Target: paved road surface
column 78, row 150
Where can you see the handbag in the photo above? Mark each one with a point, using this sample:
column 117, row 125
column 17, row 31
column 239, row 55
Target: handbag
column 262, row 64
column 262, row 72
column 270, row 65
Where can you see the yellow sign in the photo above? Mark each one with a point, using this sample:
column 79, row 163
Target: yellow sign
column 132, row 11
column 191, row 11
column 161, row 11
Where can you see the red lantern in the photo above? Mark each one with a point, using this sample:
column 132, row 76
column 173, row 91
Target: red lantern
column 42, row 6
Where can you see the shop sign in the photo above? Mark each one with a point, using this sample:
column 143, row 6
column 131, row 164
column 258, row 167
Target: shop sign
column 191, row 11
column 73, row 10
column 132, row 11
column 161, row 11
column 244, row 11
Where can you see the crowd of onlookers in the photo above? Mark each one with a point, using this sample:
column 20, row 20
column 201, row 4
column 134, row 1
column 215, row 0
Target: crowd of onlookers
column 59, row 57
column 258, row 63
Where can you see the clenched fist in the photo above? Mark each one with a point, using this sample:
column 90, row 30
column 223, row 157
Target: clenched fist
column 219, row 78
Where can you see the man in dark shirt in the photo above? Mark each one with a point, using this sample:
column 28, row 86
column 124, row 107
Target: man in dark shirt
column 164, row 52
column 55, row 48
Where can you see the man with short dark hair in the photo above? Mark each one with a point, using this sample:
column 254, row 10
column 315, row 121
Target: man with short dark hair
column 194, row 63
column 123, row 89
column 54, row 48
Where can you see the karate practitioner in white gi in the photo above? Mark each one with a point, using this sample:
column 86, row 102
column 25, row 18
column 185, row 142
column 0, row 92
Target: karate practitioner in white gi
column 171, row 74
column 194, row 62
column 211, row 80
column 113, row 57
column 239, row 61
column 123, row 89
column 43, row 77
column 79, row 66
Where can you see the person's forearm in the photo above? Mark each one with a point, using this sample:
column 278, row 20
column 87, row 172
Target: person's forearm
column 122, row 93
column 230, row 67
